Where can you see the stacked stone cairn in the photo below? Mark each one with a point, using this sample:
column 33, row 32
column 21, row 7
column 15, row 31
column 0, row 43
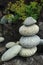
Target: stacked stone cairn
column 27, row 45
column 29, row 39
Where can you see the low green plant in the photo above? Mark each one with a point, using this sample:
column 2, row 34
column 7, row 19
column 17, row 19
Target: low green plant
column 23, row 10
column 33, row 9
column 18, row 8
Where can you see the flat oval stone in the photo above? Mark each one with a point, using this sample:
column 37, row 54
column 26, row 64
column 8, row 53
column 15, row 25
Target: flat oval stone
column 10, row 53
column 28, row 30
column 1, row 39
column 29, row 42
column 10, row 44
column 29, row 21
column 28, row 52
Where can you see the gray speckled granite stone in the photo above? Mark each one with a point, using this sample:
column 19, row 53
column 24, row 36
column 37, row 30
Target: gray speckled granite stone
column 29, row 42
column 29, row 21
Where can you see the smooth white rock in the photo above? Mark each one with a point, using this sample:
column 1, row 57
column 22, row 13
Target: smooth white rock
column 29, row 30
column 29, row 42
column 29, row 21
column 1, row 39
column 28, row 52
column 10, row 44
column 10, row 53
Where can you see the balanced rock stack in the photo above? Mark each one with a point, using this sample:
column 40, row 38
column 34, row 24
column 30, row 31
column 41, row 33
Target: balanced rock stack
column 27, row 45
column 29, row 39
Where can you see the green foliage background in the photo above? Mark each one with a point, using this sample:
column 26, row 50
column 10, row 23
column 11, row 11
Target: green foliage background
column 21, row 10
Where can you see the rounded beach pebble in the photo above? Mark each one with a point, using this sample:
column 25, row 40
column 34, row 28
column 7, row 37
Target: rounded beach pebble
column 1, row 39
column 10, row 44
column 28, row 52
column 29, row 42
column 10, row 53
column 29, row 21
column 28, row 30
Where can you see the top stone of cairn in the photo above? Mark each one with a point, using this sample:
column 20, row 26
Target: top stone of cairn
column 29, row 21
